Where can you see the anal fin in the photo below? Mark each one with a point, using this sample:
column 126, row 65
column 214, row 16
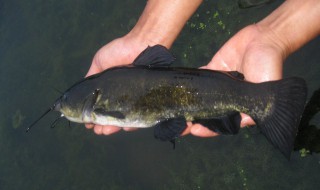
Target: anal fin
column 225, row 125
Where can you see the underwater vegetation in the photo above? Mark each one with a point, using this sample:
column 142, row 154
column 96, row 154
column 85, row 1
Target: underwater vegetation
column 17, row 119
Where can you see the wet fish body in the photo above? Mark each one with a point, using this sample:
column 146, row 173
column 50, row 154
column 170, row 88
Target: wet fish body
column 151, row 94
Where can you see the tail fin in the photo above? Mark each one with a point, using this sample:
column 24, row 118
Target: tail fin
column 281, row 127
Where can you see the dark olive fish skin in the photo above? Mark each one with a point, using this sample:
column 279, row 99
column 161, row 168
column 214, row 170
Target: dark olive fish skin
column 172, row 92
column 149, row 93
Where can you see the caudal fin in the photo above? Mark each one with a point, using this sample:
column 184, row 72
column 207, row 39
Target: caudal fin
column 281, row 127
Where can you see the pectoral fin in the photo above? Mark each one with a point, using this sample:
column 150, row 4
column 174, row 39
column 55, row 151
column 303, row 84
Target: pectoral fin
column 226, row 125
column 170, row 129
column 115, row 114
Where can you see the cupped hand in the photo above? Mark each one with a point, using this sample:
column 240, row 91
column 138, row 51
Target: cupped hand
column 120, row 51
column 254, row 52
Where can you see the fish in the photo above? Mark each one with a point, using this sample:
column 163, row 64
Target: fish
column 152, row 93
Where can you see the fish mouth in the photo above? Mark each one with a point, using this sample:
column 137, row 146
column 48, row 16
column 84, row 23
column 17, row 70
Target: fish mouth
column 57, row 106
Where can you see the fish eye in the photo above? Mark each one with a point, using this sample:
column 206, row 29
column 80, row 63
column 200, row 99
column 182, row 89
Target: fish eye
column 64, row 97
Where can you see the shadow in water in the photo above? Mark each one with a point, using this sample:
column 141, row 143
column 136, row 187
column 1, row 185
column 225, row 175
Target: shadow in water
column 308, row 137
column 244, row 4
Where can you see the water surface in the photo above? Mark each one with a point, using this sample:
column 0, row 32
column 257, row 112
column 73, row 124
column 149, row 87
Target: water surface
column 48, row 45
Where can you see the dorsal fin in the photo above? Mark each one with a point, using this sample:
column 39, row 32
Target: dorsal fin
column 236, row 75
column 155, row 56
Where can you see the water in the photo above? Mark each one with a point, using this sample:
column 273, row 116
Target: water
column 48, row 45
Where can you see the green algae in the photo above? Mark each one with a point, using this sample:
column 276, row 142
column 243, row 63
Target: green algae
column 17, row 119
column 304, row 152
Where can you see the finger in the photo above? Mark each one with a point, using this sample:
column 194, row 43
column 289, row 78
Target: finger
column 89, row 125
column 108, row 130
column 246, row 120
column 97, row 129
column 130, row 129
column 187, row 129
column 105, row 130
column 200, row 131
column 93, row 69
column 218, row 63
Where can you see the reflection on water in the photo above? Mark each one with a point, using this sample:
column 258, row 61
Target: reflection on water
column 48, row 45
column 244, row 4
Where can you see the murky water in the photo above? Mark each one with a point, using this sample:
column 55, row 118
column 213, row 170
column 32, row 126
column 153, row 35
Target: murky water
column 48, row 45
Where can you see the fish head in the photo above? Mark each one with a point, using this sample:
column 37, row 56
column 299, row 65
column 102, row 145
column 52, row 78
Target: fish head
column 77, row 103
column 68, row 108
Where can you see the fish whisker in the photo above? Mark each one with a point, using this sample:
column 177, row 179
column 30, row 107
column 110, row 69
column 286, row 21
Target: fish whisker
column 56, row 121
column 45, row 113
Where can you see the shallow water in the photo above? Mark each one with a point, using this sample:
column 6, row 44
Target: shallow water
column 48, row 45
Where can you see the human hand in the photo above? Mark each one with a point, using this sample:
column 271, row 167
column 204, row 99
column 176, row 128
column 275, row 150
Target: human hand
column 258, row 51
column 254, row 52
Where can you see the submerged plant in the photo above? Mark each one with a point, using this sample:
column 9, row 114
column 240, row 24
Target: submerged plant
column 304, row 152
column 17, row 119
